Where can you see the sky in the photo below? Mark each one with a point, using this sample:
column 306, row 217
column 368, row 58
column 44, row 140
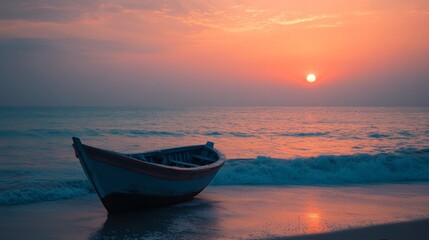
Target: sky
column 214, row 53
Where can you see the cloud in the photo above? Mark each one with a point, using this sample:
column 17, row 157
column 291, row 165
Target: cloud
column 327, row 25
column 192, row 14
column 284, row 20
column 69, row 10
column 47, row 10
column 241, row 18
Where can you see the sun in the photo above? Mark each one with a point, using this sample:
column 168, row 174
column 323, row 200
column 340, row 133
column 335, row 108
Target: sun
column 311, row 78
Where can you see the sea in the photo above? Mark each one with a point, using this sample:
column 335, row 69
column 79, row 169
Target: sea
column 265, row 146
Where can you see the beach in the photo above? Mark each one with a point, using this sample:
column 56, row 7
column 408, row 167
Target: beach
column 414, row 230
column 383, row 211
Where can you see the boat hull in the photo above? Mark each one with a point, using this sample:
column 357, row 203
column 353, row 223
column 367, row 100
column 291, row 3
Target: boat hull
column 121, row 189
column 125, row 184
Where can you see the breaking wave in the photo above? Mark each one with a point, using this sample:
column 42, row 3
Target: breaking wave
column 400, row 166
column 44, row 191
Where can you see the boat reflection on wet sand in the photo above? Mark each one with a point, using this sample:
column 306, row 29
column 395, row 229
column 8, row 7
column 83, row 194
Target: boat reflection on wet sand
column 164, row 223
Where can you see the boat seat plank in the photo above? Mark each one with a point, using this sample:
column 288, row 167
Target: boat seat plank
column 204, row 158
column 184, row 163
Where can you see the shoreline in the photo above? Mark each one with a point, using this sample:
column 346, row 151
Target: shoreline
column 409, row 230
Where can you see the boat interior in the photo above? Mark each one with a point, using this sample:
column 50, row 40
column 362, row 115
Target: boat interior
column 185, row 157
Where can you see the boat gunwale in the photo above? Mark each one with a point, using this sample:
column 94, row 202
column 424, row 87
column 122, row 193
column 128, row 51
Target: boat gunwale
column 131, row 164
column 220, row 161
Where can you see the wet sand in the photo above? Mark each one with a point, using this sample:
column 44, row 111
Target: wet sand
column 392, row 211
column 415, row 230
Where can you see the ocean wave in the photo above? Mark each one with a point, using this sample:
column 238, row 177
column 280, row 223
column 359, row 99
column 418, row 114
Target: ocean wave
column 304, row 134
column 405, row 134
column 44, row 191
column 378, row 135
column 47, row 133
column 400, row 166
column 241, row 134
column 142, row 133
column 233, row 134
column 213, row 133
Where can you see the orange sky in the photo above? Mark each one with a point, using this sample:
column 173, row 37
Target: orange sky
column 250, row 52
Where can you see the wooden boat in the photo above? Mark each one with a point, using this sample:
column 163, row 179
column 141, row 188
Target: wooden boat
column 151, row 179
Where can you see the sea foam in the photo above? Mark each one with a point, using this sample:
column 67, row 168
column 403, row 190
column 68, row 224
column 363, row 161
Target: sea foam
column 402, row 165
column 32, row 192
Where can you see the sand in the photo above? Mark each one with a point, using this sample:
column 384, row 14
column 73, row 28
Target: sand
column 414, row 230
column 394, row 211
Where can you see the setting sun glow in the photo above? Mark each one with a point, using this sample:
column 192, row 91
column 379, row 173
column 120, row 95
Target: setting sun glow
column 311, row 78
column 171, row 53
